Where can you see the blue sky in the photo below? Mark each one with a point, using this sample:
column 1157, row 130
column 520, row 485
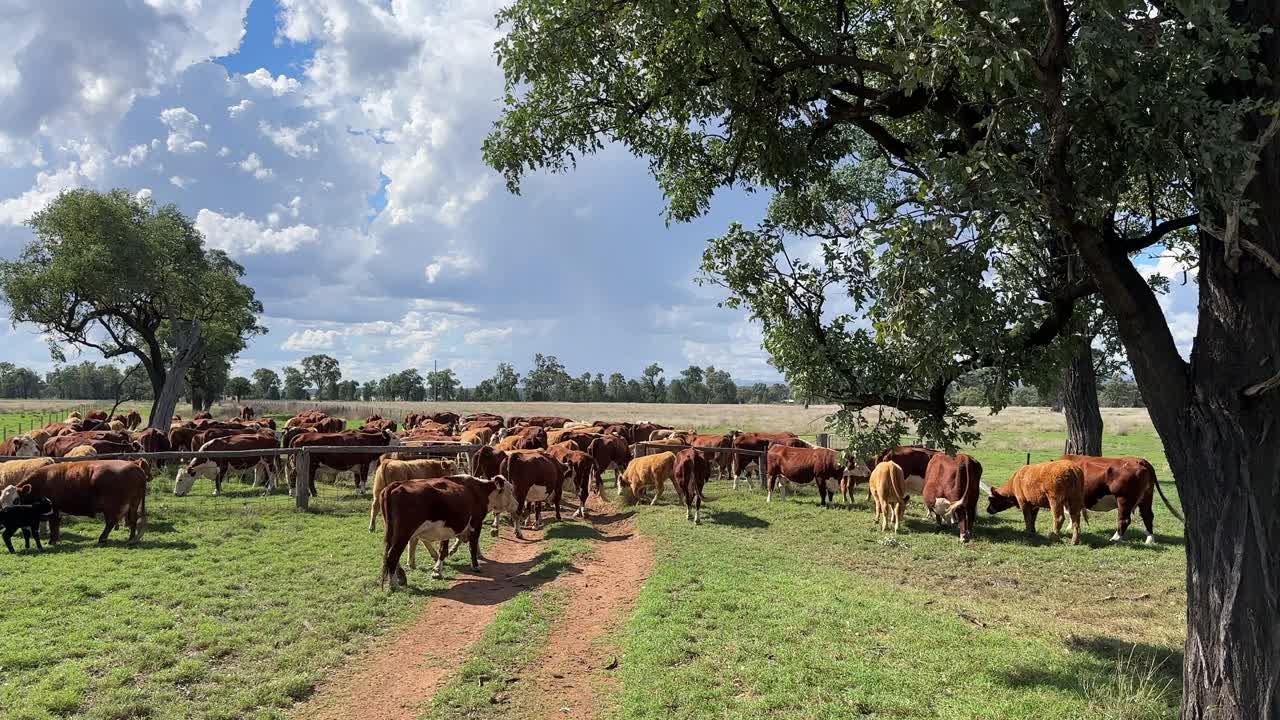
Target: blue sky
column 333, row 148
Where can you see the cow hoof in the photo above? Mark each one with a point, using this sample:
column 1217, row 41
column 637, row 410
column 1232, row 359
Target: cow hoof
column 437, row 575
column 1115, row 538
column 1151, row 540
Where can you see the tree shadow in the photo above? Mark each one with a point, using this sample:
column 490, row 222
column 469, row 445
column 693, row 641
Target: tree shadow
column 495, row 582
column 732, row 518
column 1163, row 663
column 1133, row 665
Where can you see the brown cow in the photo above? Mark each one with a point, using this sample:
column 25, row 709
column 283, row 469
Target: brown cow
column 487, row 462
column 821, row 466
column 914, row 461
column 722, row 461
column 392, row 472
column 951, row 490
column 373, row 423
column 19, row 446
column 535, row 478
column 1057, row 485
column 582, row 467
column 437, row 511
column 691, row 474
column 115, row 488
column 102, row 442
column 180, row 437
column 246, row 413
column 888, row 491
column 216, row 468
column 358, row 464
column 202, row 415
column 133, row 420
column 547, row 421
column 758, row 442
column 203, row 436
column 609, row 451
column 1121, row 484
column 152, row 440
column 99, row 415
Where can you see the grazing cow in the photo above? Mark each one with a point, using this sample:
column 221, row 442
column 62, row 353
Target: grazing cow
column 581, row 465
column 1056, row 485
column 99, row 415
column 19, row 446
column 609, row 452
column 133, row 420
column 246, row 413
column 758, row 442
column 115, row 488
column 535, row 478
column 1121, row 484
column 914, row 461
column 216, row 468
column 24, row 514
column 81, row 451
column 648, row 470
column 821, row 466
column 889, row 493
column 16, row 472
column 437, row 511
column 691, row 474
column 951, row 490
column 392, row 472
column 358, row 464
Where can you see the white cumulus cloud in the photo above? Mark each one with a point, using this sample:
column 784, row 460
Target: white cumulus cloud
column 252, row 164
column 450, row 264
column 279, row 85
column 243, row 235
column 183, row 126
column 135, row 157
column 239, row 108
column 311, row 340
column 289, row 139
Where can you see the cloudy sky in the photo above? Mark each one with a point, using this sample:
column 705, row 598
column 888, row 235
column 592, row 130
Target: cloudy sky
column 333, row 148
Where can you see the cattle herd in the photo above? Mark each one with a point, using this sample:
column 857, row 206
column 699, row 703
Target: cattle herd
column 519, row 465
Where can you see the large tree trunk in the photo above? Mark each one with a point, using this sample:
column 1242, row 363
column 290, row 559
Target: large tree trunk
column 170, row 389
column 1080, row 401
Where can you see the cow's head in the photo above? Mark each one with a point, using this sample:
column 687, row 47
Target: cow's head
column 24, row 446
column 188, row 473
column 502, row 496
column 855, row 471
column 8, row 496
column 1000, row 502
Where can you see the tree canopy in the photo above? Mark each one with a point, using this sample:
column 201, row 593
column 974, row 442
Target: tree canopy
column 121, row 275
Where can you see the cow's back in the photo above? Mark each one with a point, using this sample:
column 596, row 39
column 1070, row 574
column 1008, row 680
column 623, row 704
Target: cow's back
column 88, row 488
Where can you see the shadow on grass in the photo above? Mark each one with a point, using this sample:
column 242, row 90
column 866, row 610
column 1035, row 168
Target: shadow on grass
column 497, row 582
column 1137, row 665
column 736, row 519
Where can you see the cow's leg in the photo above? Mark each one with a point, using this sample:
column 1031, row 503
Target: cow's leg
column 697, row 510
column 518, row 519
column 1029, row 513
column 1055, row 509
column 1075, row 524
column 897, row 515
column 8, row 535
column 582, row 496
column 131, row 519
column 35, row 531
column 438, row 573
column 112, row 520
column 1124, row 515
column 558, row 495
column 1148, row 518
column 217, row 480
column 473, row 543
column 55, row 527
column 496, row 517
column 657, row 493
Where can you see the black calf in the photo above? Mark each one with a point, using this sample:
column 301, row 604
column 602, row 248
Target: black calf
column 25, row 517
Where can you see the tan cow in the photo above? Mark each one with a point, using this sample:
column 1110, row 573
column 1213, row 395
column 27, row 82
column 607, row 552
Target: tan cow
column 390, row 472
column 81, row 451
column 888, row 492
column 15, row 472
column 645, row 471
column 477, row 436
column 1057, row 485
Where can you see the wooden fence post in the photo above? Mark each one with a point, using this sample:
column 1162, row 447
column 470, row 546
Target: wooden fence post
column 302, row 486
column 1028, row 462
column 823, row 440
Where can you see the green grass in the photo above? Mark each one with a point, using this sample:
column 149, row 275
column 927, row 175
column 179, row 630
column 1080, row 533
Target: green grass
column 17, row 423
column 232, row 607
column 483, row 686
column 787, row 610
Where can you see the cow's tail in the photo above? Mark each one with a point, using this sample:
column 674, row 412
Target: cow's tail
column 1156, row 481
column 374, row 506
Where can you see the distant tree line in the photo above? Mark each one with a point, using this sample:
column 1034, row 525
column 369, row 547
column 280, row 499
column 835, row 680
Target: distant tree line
column 79, row 381
column 319, row 377
column 1114, row 390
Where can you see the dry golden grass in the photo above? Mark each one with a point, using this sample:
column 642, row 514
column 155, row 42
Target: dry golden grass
column 796, row 418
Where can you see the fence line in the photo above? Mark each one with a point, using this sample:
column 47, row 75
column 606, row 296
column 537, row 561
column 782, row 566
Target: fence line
column 304, row 457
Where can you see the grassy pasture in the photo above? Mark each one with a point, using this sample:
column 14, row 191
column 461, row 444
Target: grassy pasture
column 236, row 606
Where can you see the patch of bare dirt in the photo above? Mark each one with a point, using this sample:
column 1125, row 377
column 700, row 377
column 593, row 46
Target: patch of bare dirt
column 392, row 678
column 576, row 674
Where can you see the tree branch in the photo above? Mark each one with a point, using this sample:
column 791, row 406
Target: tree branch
column 1158, row 231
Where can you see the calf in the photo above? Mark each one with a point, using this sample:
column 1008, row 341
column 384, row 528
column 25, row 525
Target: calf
column 24, row 515
column 1055, row 485
column 721, row 460
column 1121, row 484
column 888, row 492
column 438, row 511
column 647, row 470
column 581, row 468
column 951, row 490
column 392, row 472
column 115, row 488
column 216, row 468
column 691, row 473
column 820, row 466
column 535, row 478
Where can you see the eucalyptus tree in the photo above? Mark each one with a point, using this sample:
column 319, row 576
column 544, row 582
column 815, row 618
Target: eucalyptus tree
column 1048, row 134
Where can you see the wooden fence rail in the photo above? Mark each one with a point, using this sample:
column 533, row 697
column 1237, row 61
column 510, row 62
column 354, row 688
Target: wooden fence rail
column 304, row 457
